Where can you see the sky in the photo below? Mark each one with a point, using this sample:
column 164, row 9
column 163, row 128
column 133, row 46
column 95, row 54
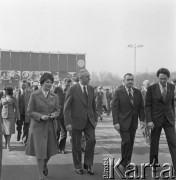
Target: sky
column 102, row 29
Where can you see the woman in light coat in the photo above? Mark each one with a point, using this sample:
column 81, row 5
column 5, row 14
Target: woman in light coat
column 9, row 113
column 43, row 107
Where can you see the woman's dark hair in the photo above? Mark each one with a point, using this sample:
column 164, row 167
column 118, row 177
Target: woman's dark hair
column 46, row 76
column 163, row 71
column 9, row 90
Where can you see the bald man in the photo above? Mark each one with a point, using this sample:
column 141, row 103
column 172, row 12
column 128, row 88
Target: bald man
column 80, row 116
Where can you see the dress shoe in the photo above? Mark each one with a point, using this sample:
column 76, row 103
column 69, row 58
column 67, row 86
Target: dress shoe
column 89, row 169
column 63, row 151
column 45, row 170
column 79, row 171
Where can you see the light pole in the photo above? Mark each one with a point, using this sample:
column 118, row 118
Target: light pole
column 135, row 46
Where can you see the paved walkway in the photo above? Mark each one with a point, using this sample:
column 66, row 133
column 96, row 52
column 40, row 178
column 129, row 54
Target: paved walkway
column 18, row 166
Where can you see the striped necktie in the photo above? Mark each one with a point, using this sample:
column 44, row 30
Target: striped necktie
column 164, row 93
column 130, row 95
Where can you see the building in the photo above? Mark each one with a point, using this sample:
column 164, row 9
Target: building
column 18, row 65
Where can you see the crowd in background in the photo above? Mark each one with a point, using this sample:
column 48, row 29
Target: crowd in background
column 22, row 108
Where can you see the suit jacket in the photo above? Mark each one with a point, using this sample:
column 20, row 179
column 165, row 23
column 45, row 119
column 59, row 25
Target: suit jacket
column 124, row 112
column 76, row 110
column 9, row 109
column 61, row 99
column 155, row 107
column 23, row 100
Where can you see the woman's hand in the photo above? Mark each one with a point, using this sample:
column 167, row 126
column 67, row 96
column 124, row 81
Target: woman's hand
column 52, row 116
column 44, row 117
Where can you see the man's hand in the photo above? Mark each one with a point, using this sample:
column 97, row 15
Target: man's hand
column 142, row 124
column 117, row 127
column 68, row 127
column 44, row 117
column 150, row 125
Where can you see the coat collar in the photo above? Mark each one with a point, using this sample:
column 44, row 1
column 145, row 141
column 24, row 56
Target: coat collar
column 41, row 95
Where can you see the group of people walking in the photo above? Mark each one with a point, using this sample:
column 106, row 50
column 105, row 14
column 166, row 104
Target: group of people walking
column 157, row 113
column 46, row 114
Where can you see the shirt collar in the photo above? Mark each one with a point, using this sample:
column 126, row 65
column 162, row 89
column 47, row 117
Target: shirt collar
column 161, row 87
column 82, row 86
column 127, row 90
column 45, row 93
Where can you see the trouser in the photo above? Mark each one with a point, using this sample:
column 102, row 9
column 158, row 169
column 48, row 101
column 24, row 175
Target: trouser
column 108, row 107
column 61, row 134
column 171, row 140
column 22, row 124
column 127, row 144
column 89, row 133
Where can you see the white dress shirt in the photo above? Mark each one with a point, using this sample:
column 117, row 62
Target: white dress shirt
column 161, row 87
column 82, row 88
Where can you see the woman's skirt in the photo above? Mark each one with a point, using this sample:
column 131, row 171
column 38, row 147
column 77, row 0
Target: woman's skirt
column 8, row 126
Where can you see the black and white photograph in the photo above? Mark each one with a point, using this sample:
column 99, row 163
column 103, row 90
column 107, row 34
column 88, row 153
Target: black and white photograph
column 87, row 89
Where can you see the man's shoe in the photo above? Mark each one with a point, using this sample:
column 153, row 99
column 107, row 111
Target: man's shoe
column 89, row 169
column 45, row 170
column 63, row 151
column 79, row 171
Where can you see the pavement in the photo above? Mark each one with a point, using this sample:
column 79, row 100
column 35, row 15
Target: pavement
column 18, row 166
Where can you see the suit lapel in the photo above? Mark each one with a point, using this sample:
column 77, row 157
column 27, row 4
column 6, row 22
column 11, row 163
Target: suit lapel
column 168, row 92
column 50, row 96
column 89, row 95
column 41, row 95
column 80, row 94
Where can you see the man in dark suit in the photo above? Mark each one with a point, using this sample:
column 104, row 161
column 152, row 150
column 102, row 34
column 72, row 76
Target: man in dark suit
column 23, row 96
column 62, row 132
column 159, row 107
column 80, row 116
column 127, row 107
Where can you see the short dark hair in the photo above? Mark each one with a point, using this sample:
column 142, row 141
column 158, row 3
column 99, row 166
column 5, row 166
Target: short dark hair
column 128, row 74
column 163, row 71
column 46, row 76
column 9, row 90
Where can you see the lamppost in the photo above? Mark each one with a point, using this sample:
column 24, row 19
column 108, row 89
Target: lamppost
column 135, row 46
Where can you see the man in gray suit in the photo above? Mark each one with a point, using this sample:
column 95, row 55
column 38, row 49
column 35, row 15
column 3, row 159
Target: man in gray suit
column 80, row 116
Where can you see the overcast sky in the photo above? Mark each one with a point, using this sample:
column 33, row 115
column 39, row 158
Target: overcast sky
column 100, row 28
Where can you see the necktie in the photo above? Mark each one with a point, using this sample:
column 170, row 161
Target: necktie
column 130, row 95
column 85, row 93
column 164, row 93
